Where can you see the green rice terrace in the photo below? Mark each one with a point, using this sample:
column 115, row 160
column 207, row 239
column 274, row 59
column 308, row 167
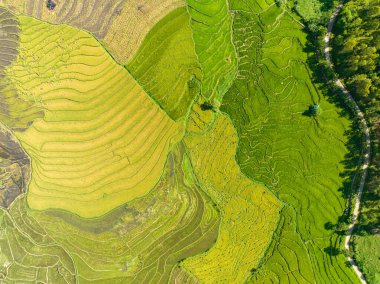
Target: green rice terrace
column 179, row 141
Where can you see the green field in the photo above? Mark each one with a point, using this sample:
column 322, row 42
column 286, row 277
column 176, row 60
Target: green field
column 169, row 142
column 166, row 65
column 299, row 158
column 211, row 23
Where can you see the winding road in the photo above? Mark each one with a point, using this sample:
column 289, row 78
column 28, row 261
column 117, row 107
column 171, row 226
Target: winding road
column 367, row 149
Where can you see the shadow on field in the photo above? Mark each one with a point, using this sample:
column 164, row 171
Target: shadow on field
column 332, row 251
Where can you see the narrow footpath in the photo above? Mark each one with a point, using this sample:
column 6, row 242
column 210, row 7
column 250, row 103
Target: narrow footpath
column 367, row 150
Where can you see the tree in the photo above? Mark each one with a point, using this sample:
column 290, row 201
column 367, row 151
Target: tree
column 50, row 5
column 314, row 110
column 361, row 84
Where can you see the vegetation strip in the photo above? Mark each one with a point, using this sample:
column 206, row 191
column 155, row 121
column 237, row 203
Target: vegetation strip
column 367, row 154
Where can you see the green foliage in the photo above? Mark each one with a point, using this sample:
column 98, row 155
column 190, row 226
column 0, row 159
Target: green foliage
column 367, row 255
column 315, row 110
column 356, row 54
column 356, row 50
column 279, row 3
column 309, row 9
column 314, row 12
column 207, row 106
column 361, row 85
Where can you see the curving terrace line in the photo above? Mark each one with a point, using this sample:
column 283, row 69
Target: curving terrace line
column 367, row 149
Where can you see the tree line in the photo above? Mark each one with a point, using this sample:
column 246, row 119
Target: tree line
column 356, row 57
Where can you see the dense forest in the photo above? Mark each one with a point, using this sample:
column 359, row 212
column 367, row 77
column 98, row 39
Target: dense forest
column 356, row 56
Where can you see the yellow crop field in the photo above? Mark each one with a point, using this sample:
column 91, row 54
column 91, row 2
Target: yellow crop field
column 249, row 212
column 102, row 140
column 91, row 15
column 199, row 121
column 121, row 25
column 124, row 42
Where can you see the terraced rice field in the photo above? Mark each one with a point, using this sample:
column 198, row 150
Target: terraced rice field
column 288, row 151
column 129, row 244
column 166, row 65
column 103, row 18
column 248, row 211
column 28, row 253
column 166, row 142
column 88, row 149
column 212, row 30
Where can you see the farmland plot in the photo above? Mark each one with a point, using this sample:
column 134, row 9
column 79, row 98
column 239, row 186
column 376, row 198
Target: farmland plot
column 248, row 211
column 102, row 140
column 299, row 158
column 211, row 22
column 140, row 242
column 167, row 66
column 166, row 142
column 121, row 25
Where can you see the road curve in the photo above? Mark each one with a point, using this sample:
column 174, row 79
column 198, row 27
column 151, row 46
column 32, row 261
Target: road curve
column 367, row 149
